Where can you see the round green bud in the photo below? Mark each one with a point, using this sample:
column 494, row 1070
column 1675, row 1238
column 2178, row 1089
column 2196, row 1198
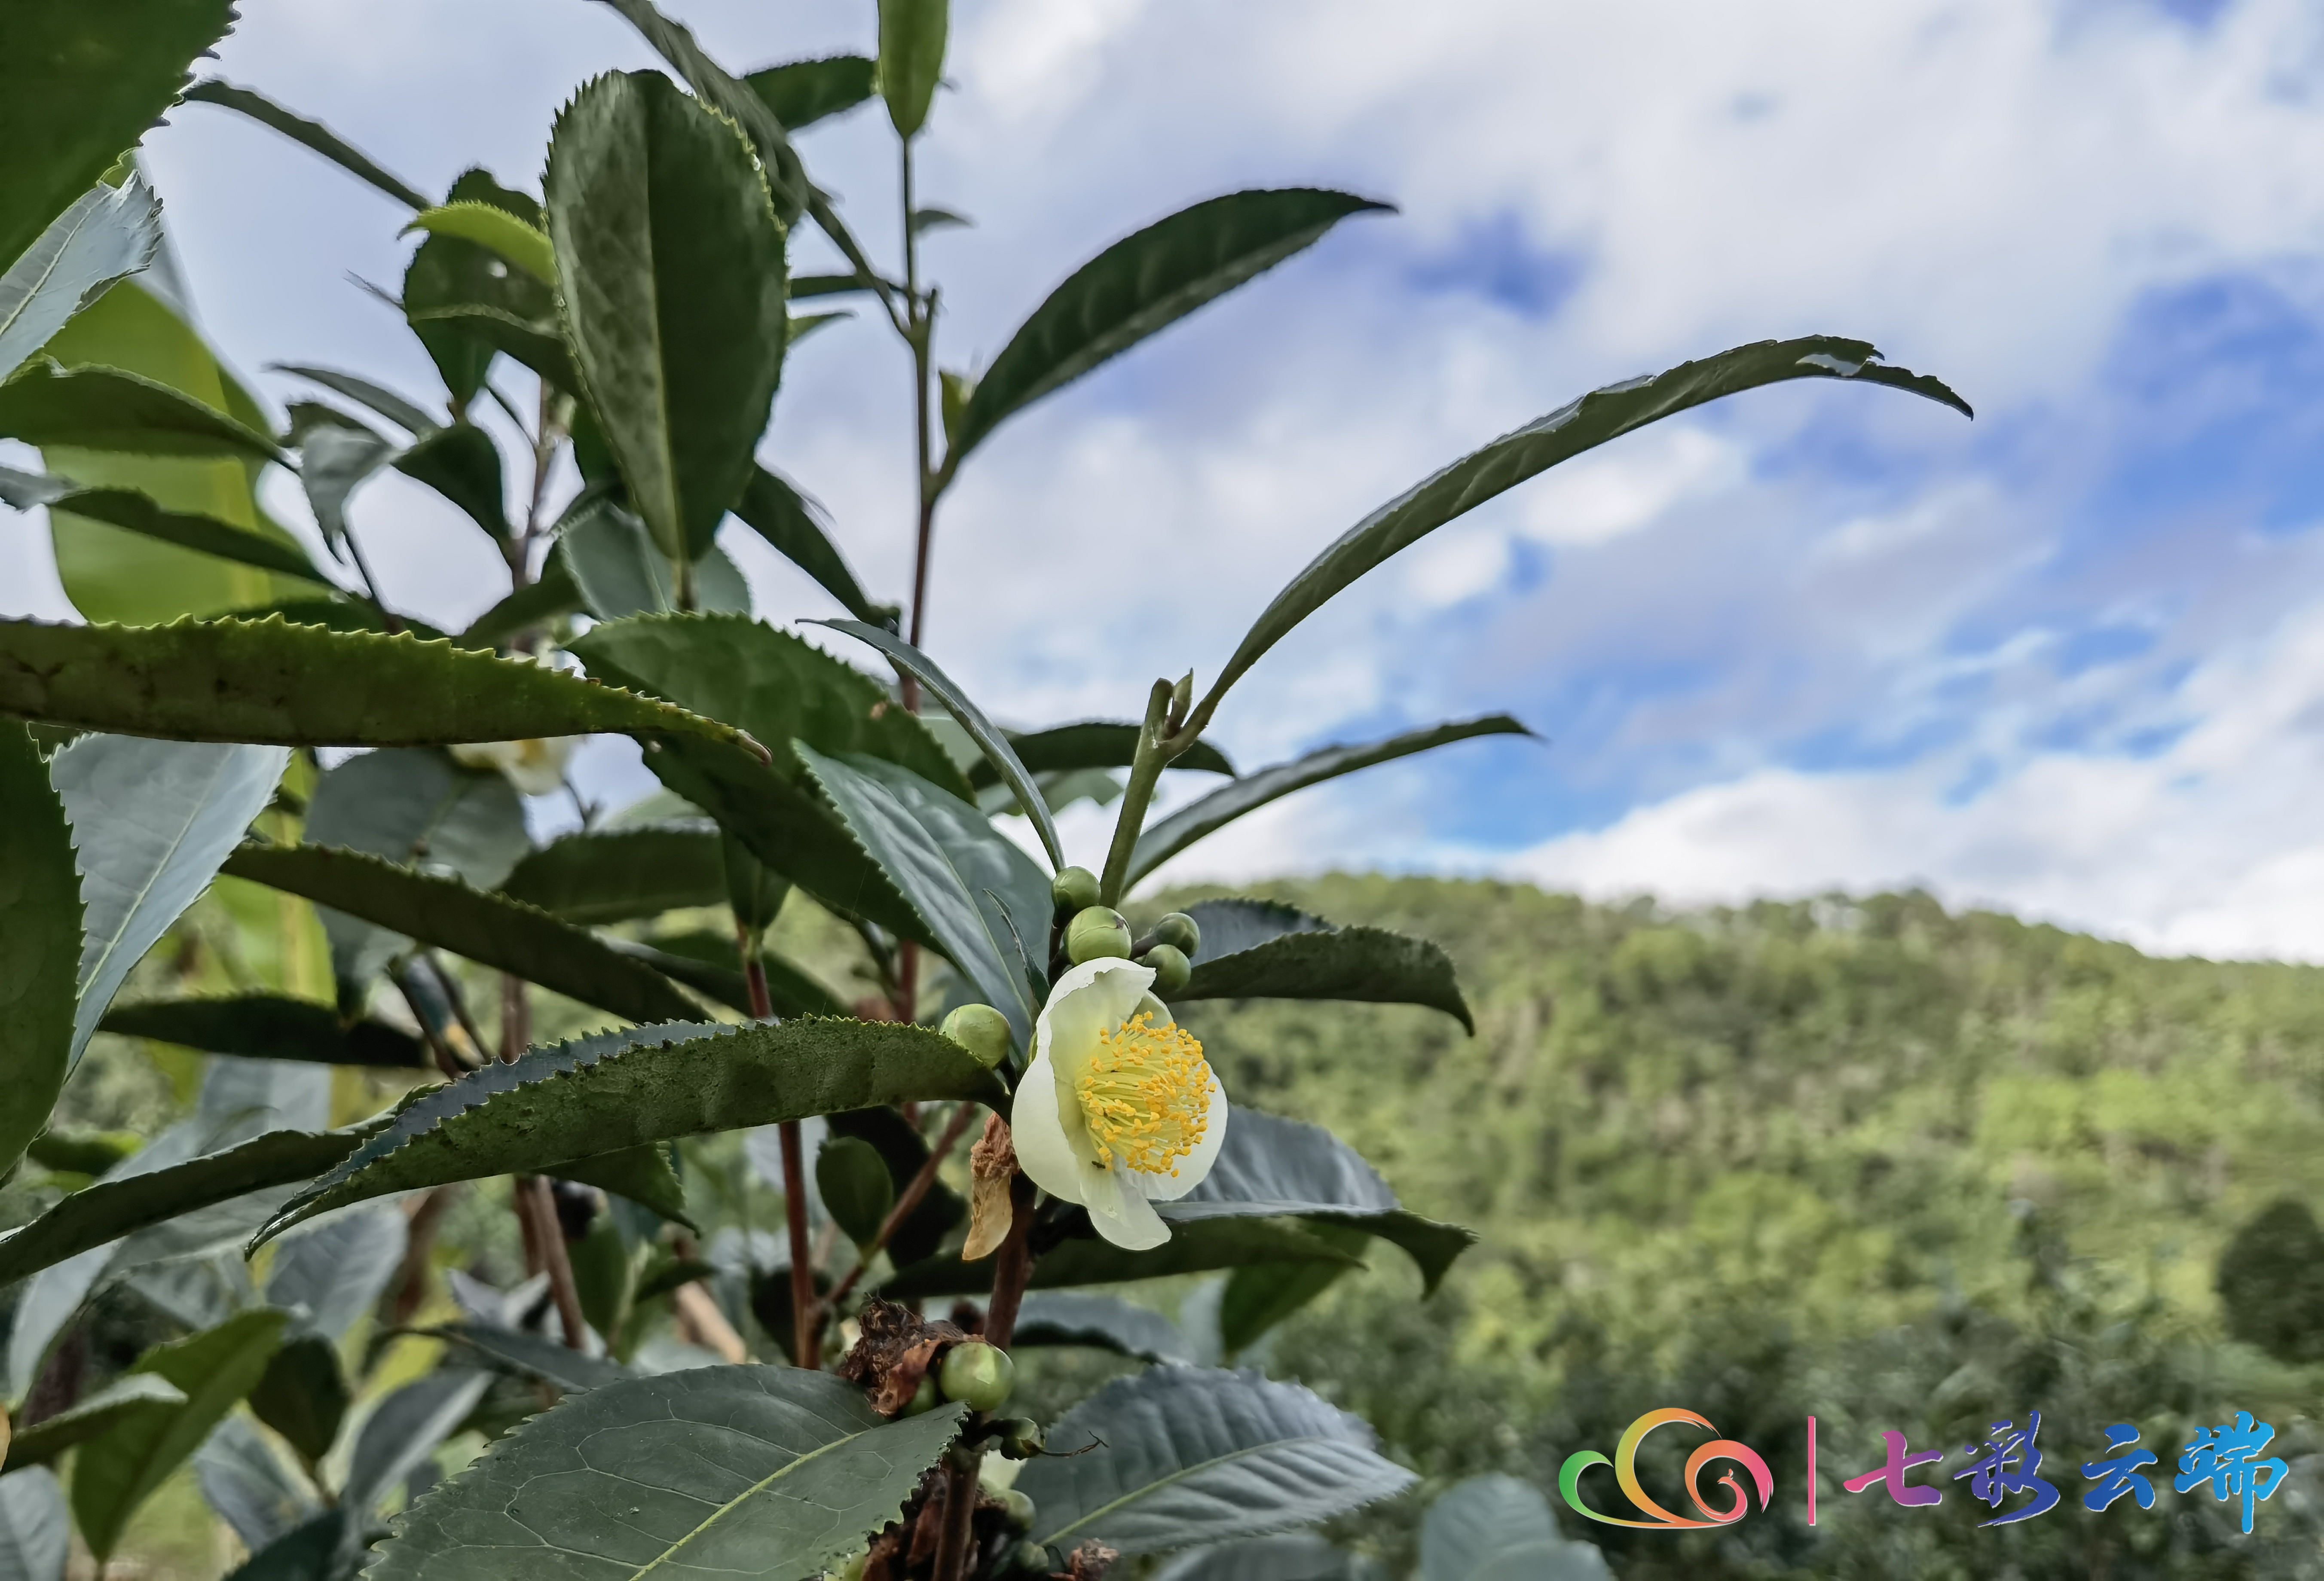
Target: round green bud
column 1096, row 932
column 983, row 1031
column 853, row 1570
column 1017, row 1510
column 1074, row 890
column 1171, row 968
column 978, row 1374
column 1027, row 1559
column 1019, row 1438
column 923, row 1398
column 1181, row 933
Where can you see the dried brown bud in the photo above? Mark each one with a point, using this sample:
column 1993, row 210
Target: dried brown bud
column 992, row 1165
column 895, row 1352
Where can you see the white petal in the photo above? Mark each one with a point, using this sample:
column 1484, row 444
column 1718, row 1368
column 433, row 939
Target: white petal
column 1038, row 1135
column 1095, row 996
column 1120, row 1212
column 1168, row 1188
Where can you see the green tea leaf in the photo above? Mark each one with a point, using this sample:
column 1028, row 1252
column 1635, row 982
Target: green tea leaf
column 799, row 93
column 905, row 1150
column 1581, row 425
column 109, row 408
column 1142, row 284
column 465, row 303
column 710, row 964
column 982, row 898
column 613, row 875
column 1178, row 1456
column 1158, row 843
column 312, row 134
column 151, row 822
column 754, row 1471
column 1092, row 744
column 303, row 1394
column 534, row 1355
column 1291, row 1555
column 791, row 522
column 144, row 1397
column 1104, row 1322
column 620, row 1090
column 462, row 463
column 107, row 233
column 1260, row 950
column 337, row 1271
column 1500, row 1529
column 672, row 262
column 405, row 1429
column 1258, row 1298
column 124, row 1203
column 40, row 949
column 274, row 683
column 911, row 59
column 852, row 1179
column 531, row 607
column 486, row 928
column 334, row 461
column 115, row 1472
column 618, row 571
column 405, row 414
column 1199, row 1247
column 988, row 735
column 78, row 87
column 1271, row 1167
column 494, row 228
column 207, row 534
column 266, row 1027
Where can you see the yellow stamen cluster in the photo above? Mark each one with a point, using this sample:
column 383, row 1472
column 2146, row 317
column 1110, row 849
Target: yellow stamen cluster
column 1147, row 1095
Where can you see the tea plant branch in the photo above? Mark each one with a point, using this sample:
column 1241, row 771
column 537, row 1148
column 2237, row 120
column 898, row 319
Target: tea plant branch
column 532, row 1190
column 916, row 1189
column 804, row 1341
column 1161, row 738
column 1013, row 1270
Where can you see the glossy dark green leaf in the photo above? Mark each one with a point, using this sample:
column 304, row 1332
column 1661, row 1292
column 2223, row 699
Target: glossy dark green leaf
column 1178, row 1456
column 1158, row 843
column 346, row 612
column 316, row 1549
column 801, row 93
column 1256, row 1299
column 40, row 949
column 1581, row 425
column 534, row 1355
column 1105, row 1322
column 462, row 463
column 119, row 1206
column 1199, row 1247
column 983, row 901
column 673, row 263
column 619, row 571
column 611, row 876
column 78, row 87
column 905, row 1150
column 136, row 513
column 405, row 1429
column 791, row 691
column 312, row 134
column 466, row 304
column 826, row 285
column 486, row 928
column 141, row 1396
column 531, row 607
column 789, row 522
column 1092, row 744
column 107, row 408
column 84, row 1153
column 302, row 1395
column 152, row 822
column 1144, row 283
column 621, row 1090
column 118, row 1470
column 645, row 1175
column 911, row 59
column 990, row 739
column 335, row 1272
column 108, row 234
column 404, row 413
column 267, row 1026
column 710, row 964
column 303, row 686
column 739, row 1471
column 515, row 242
column 1260, row 950
column 853, row 1179
column 1272, row 1167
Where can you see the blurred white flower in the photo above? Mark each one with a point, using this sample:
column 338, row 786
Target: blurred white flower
column 535, row 765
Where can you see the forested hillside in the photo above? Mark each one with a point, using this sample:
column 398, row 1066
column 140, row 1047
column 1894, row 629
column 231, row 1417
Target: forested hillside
column 1894, row 1167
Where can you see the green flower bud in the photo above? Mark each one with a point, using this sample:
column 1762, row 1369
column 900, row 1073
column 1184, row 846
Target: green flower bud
column 1018, row 1510
column 1027, row 1559
column 978, row 1374
column 1021, row 1437
column 853, row 1570
column 1074, row 890
column 1097, row 931
column 923, row 1398
column 983, row 1031
column 1181, row 933
column 1171, row 968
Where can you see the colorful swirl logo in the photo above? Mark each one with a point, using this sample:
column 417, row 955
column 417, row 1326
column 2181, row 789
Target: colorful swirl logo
column 1626, row 1474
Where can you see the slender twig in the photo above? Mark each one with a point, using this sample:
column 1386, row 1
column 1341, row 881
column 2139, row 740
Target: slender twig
column 914, row 1191
column 388, row 618
column 1146, row 768
column 804, row 1339
column 1010, row 1274
column 533, row 1201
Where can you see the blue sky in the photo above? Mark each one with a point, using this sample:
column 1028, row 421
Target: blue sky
column 2069, row 659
